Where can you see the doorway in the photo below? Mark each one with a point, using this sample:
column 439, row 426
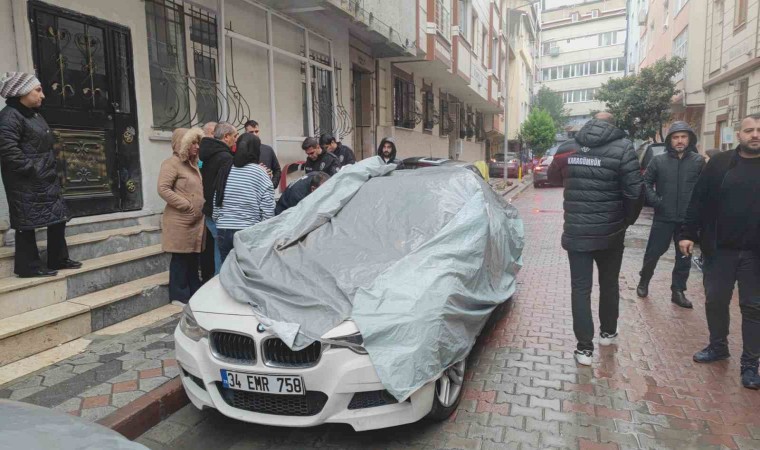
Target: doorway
column 85, row 67
column 361, row 99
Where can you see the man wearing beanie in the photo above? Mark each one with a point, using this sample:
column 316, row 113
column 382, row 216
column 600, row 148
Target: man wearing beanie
column 28, row 167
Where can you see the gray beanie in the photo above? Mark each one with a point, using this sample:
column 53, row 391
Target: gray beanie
column 17, row 84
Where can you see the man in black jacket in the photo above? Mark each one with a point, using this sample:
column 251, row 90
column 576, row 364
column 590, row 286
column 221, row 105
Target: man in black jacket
column 318, row 159
column 668, row 182
column 603, row 196
column 299, row 190
column 214, row 153
column 268, row 158
column 724, row 215
column 387, row 151
column 344, row 154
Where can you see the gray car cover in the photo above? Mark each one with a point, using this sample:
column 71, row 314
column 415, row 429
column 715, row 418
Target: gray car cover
column 418, row 259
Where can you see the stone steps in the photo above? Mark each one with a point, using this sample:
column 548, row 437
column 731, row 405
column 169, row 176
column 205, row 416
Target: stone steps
column 34, row 331
column 20, row 295
column 92, row 245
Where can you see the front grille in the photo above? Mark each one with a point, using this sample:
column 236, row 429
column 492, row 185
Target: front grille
column 279, row 405
column 276, row 353
column 371, row 399
column 234, row 347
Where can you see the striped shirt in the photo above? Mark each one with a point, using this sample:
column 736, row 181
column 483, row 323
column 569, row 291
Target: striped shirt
column 248, row 198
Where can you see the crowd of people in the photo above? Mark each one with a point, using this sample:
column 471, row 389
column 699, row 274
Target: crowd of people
column 714, row 204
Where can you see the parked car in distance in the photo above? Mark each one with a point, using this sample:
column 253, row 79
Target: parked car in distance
column 496, row 165
column 652, row 150
column 548, row 156
column 463, row 164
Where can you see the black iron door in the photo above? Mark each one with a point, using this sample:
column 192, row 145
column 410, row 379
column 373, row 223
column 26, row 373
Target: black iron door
column 85, row 67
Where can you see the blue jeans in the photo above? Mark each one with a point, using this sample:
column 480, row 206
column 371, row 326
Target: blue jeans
column 211, row 225
column 183, row 276
column 225, row 241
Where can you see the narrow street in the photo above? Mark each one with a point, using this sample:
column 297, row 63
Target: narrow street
column 524, row 389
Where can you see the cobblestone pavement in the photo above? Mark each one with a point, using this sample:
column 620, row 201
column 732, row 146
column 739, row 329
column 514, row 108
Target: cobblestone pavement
column 112, row 372
column 524, row 389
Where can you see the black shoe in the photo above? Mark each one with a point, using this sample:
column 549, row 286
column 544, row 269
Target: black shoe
column 66, row 264
column 711, row 354
column 642, row 290
column 39, row 273
column 680, row 299
column 750, row 378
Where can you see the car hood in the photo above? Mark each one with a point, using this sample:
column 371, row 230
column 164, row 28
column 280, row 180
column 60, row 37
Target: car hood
column 212, row 298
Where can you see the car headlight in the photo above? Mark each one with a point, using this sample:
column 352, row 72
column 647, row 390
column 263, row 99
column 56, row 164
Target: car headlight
column 353, row 342
column 189, row 326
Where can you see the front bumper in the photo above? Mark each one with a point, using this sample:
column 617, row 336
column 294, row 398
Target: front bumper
column 339, row 375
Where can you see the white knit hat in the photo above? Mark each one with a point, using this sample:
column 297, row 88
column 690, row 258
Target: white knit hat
column 17, row 84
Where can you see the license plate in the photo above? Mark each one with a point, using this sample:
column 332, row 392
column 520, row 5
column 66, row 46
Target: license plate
column 265, row 384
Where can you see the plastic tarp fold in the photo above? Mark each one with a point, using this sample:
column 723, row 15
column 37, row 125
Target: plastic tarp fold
column 418, row 259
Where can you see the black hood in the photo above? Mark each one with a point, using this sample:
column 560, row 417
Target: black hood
column 681, row 126
column 596, row 133
column 382, row 143
column 210, row 147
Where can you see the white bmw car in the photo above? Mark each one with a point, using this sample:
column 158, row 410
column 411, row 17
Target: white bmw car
column 231, row 364
column 358, row 306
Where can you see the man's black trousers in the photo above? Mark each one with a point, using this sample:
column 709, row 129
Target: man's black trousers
column 27, row 259
column 660, row 237
column 722, row 271
column 608, row 264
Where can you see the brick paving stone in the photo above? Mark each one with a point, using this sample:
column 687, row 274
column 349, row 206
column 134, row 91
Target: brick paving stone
column 95, row 414
column 522, row 437
column 96, row 402
column 478, row 431
column 458, row 443
column 546, row 426
column 151, row 373
column 545, row 403
column 585, row 444
column 125, row 398
column 124, row 386
column 536, row 413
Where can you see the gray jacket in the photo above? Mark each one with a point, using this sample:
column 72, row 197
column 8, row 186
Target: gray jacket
column 669, row 181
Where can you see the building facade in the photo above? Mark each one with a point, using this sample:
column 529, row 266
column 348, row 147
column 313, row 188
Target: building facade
column 582, row 46
column 676, row 28
column 731, row 71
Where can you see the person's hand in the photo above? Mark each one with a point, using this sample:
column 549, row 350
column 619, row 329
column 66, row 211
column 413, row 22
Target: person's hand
column 686, row 247
column 269, row 171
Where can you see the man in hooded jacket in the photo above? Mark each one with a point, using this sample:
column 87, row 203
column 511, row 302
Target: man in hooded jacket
column 387, row 152
column 670, row 178
column 603, row 196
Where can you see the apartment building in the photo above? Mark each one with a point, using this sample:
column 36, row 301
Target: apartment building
column 677, row 28
column 731, row 73
column 582, row 46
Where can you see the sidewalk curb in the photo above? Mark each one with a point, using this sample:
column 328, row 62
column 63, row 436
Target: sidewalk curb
column 147, row 411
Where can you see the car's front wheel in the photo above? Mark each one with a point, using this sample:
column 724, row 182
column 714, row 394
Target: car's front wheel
column 448, row 392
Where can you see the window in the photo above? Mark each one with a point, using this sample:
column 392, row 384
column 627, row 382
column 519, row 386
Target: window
column 608, row 38
column 495, row 54
column 547, row 47
column 403, row 103
column 574, row 17
column 444, row 123
column 483, row 45
column 579, row 96
column 464, row 28
column 428, row 108
column 594, row 13
column 680, row 46
column 474, row 30
column 740, row 14
column 742, row 98
column 680, row 4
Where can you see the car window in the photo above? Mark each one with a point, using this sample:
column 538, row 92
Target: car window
column 551, row 152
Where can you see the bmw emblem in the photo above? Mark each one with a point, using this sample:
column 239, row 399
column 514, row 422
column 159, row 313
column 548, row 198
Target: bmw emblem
column 260, row 328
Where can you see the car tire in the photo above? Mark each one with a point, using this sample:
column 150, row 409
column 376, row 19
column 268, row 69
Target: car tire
column 448, row 392
column 536, row 185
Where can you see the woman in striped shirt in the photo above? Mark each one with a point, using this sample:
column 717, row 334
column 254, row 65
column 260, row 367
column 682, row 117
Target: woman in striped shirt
column 244, row 195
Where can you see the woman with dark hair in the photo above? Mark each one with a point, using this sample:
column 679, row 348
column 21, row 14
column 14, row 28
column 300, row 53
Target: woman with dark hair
column 244, row 193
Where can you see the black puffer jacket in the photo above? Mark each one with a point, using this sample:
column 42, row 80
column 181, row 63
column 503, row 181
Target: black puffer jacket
column 603, row 187
column 214, row 154
column 28, row 165
column 669, row 180
column 326, row 162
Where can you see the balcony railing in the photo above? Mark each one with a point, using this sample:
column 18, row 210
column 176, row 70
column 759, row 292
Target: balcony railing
column 443, row 20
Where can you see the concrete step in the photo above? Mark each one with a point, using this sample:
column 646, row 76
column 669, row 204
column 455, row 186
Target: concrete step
column 91, row 224
column 20, row 295
column 35, row 331
column 92, row 245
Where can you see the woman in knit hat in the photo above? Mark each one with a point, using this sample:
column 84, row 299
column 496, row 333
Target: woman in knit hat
column 183, row 231
column 32, row 186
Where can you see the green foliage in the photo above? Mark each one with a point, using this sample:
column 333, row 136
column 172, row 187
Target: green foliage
column 539, row 131
column 551, row 102
column 641, row 102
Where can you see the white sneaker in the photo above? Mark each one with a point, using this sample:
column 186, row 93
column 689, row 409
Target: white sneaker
column 178, row 303
column 607, row 338
column 584, row 357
